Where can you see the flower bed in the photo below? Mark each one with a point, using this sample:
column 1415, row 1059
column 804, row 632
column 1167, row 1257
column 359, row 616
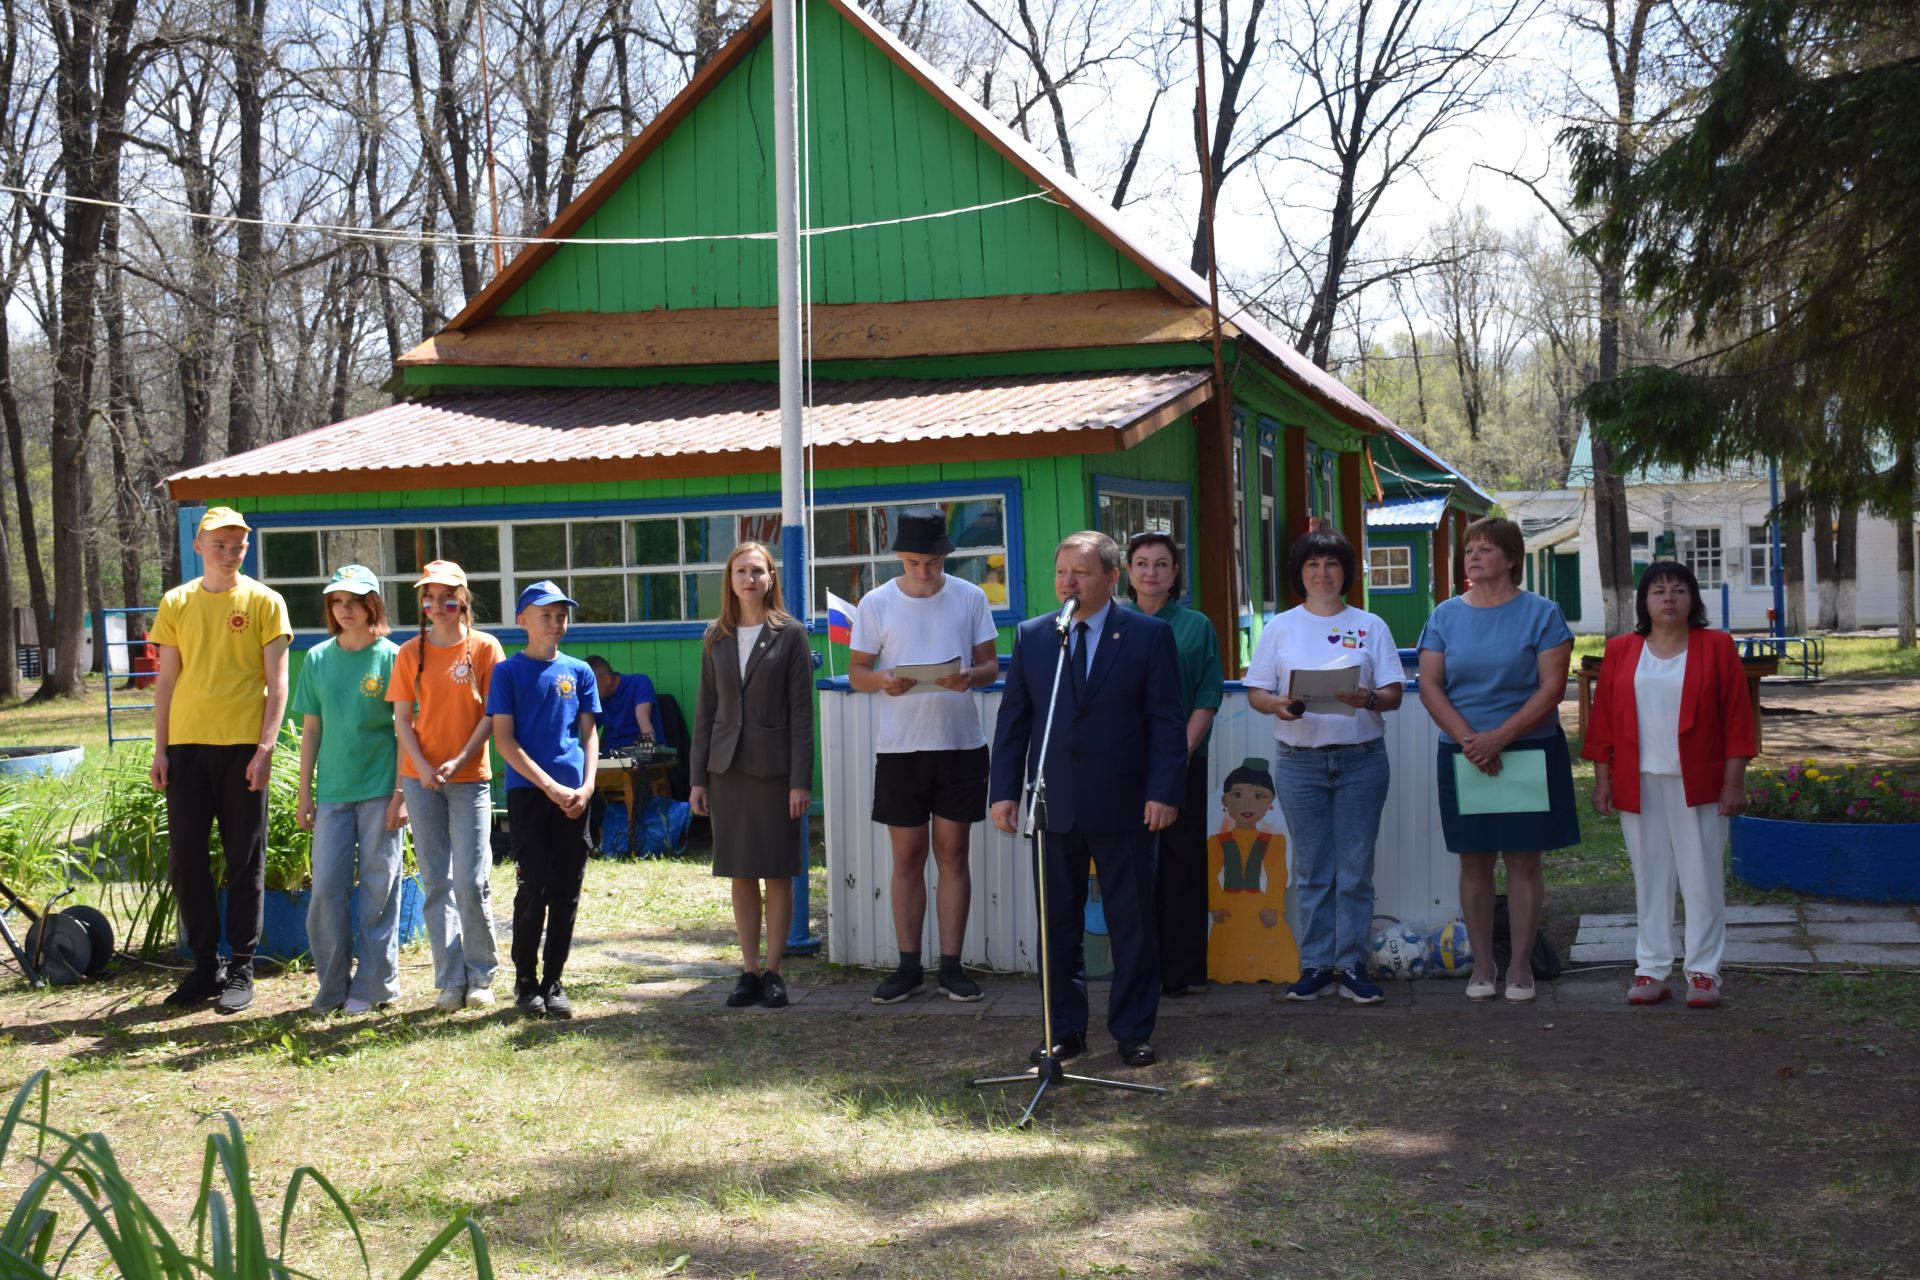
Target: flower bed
column 1846, row 833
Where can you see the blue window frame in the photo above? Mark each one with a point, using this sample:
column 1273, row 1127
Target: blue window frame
column 642, row 569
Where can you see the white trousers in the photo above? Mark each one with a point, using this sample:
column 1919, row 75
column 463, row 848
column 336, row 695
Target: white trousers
column 1666, row 841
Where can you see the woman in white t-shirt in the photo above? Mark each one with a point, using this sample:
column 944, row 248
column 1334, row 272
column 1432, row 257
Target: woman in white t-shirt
column 1330, row 766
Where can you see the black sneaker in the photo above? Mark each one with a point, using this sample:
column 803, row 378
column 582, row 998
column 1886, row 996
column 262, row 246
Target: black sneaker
column 528, row 1000
column 237, row 992
column 958, row 986
column 555, row 995
column 201, row 984
column 773, row 989
column 745, row 992
column 900, row 985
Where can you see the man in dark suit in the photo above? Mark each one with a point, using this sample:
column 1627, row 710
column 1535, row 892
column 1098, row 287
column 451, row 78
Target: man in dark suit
column 1119, row 741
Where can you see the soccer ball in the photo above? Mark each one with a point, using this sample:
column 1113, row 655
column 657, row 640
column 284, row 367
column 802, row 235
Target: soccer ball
column 1400, row 952
column 1449, row 953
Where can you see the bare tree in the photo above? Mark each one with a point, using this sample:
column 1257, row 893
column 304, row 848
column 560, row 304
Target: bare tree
column 1472, row 291
column 97, row 63
column 1390, row 77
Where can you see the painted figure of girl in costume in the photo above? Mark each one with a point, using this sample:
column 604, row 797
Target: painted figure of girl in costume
column 1248, row 939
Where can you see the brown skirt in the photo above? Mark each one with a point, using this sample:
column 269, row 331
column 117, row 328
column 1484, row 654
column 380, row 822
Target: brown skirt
column 753, row 838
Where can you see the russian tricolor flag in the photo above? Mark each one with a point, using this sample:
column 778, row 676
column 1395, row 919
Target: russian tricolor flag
column 839, row 620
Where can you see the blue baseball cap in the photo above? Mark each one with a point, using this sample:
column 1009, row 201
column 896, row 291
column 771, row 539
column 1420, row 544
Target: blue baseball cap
column 545, row 591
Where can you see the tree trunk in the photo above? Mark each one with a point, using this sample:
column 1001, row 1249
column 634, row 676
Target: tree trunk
column 245, row 392
column 96, row 589
column 1903, row 537
column 1846, row 568
column 23, row 498
column 1824, row 582
column 1613, row 540
column 1793, row 564
column 9, row 634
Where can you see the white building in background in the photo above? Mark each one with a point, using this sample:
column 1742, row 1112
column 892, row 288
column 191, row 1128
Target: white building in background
column 1718, row 523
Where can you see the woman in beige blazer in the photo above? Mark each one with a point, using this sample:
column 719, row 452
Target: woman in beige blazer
column 752, row 761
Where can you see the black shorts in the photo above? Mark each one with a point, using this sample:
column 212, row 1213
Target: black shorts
column 911, row 786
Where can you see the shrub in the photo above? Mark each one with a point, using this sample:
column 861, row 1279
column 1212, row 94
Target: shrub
column 1805, row 792
column 229, row 1229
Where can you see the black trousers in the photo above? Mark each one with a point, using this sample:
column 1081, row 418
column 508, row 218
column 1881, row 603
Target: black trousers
column 550, row 862
column 206, row 784
column 1124, row 864
column 1180, row 886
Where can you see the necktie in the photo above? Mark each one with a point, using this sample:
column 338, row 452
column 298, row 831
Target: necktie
column 1077, row 659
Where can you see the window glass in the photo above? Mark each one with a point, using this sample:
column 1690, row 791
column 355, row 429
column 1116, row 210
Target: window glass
column 474, row 547
column 349, row 546
column 305, row 611
column 596, row 544
column 488, row 607
column 656, row 597
column 708, row 539
column 290, row 555
column 409, row 549
column 656, row 542
column 540, row 549
column 842, row 531
column 848, row 581
column 602, row 597
column 703, row 594
column 1390, row 568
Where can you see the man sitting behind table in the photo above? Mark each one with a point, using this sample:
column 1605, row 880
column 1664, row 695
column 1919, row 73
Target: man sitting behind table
column 627, row 705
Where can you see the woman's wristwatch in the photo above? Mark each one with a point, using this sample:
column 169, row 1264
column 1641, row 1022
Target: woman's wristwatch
column 1373, row 699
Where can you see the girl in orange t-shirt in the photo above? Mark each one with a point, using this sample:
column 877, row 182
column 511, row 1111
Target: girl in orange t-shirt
column 439, row 696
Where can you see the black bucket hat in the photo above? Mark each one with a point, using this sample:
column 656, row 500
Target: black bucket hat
column 922, row 531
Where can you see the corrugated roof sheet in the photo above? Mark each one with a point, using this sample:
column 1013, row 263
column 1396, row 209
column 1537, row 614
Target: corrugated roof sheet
column 535, row 426
column 1407, row 513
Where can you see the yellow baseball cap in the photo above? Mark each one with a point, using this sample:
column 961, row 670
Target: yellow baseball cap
column 223, row 518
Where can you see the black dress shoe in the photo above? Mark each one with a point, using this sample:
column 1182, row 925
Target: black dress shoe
column 1070, row 1045
column 1137, row 1053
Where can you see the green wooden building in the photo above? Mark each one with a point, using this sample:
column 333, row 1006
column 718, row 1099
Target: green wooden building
column 985, row 333
column 1414, row 533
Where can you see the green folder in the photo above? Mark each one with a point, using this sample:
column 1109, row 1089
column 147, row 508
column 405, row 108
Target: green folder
column 1519, row 787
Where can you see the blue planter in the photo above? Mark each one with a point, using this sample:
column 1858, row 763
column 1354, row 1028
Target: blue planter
column 283, row 931
column 56, row 762
column 1858, row 861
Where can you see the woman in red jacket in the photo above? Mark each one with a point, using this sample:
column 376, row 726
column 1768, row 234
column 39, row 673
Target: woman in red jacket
column 1670, row 737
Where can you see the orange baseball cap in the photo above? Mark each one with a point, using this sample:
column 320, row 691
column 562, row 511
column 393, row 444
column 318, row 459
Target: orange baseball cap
column 444, row 572
column 222, row 518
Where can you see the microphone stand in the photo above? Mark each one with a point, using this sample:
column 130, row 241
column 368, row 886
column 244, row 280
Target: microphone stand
column 1050, row 1070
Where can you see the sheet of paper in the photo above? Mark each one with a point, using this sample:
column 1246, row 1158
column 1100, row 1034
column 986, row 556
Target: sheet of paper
column 1519, row 787
column 1318, row 687
column 925, row 675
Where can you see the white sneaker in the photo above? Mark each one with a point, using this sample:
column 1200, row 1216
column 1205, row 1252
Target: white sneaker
column 356, row 1005
column 479, row 997
column 450, row 999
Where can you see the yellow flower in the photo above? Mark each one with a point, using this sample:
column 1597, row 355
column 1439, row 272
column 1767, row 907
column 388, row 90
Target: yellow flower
column 1808, row 762
column 1852, row 767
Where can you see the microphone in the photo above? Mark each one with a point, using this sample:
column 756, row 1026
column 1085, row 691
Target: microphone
column 1065, row 616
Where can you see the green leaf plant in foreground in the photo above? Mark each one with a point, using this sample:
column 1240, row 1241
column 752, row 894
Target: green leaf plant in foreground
column 112, row 1224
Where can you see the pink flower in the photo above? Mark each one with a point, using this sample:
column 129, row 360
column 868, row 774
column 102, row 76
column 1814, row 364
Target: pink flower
column 1793, row 773
column 1793, row 797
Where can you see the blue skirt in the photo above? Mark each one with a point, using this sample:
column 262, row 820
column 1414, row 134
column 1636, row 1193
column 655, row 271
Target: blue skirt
column 1555, row 827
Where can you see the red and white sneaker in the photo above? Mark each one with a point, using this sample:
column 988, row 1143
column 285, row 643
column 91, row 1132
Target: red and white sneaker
column 1647, row 990
column 1703, row 991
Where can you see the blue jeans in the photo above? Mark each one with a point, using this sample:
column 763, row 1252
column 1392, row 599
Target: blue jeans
column 1332, row 797
column 456, row 872
column 351, row 843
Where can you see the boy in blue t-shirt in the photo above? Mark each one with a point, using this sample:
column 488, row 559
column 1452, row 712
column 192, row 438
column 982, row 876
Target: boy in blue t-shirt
column 544, row 706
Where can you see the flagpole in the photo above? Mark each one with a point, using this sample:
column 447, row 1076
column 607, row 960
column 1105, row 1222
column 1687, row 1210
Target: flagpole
column 793, row 534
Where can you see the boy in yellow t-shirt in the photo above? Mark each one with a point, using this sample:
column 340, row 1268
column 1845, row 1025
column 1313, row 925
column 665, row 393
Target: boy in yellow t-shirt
column 217, row 705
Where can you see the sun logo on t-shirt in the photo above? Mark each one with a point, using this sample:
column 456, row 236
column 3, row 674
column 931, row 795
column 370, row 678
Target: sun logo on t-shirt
column 459, row 671
column 236, row 621
column 370, row 685
column 564, row 686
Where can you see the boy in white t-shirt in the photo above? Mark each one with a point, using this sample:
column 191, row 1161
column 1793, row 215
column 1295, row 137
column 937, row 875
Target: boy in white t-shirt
column 930, row 768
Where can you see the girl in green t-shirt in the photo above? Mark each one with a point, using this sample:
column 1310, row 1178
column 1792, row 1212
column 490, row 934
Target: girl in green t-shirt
column 350, row 798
